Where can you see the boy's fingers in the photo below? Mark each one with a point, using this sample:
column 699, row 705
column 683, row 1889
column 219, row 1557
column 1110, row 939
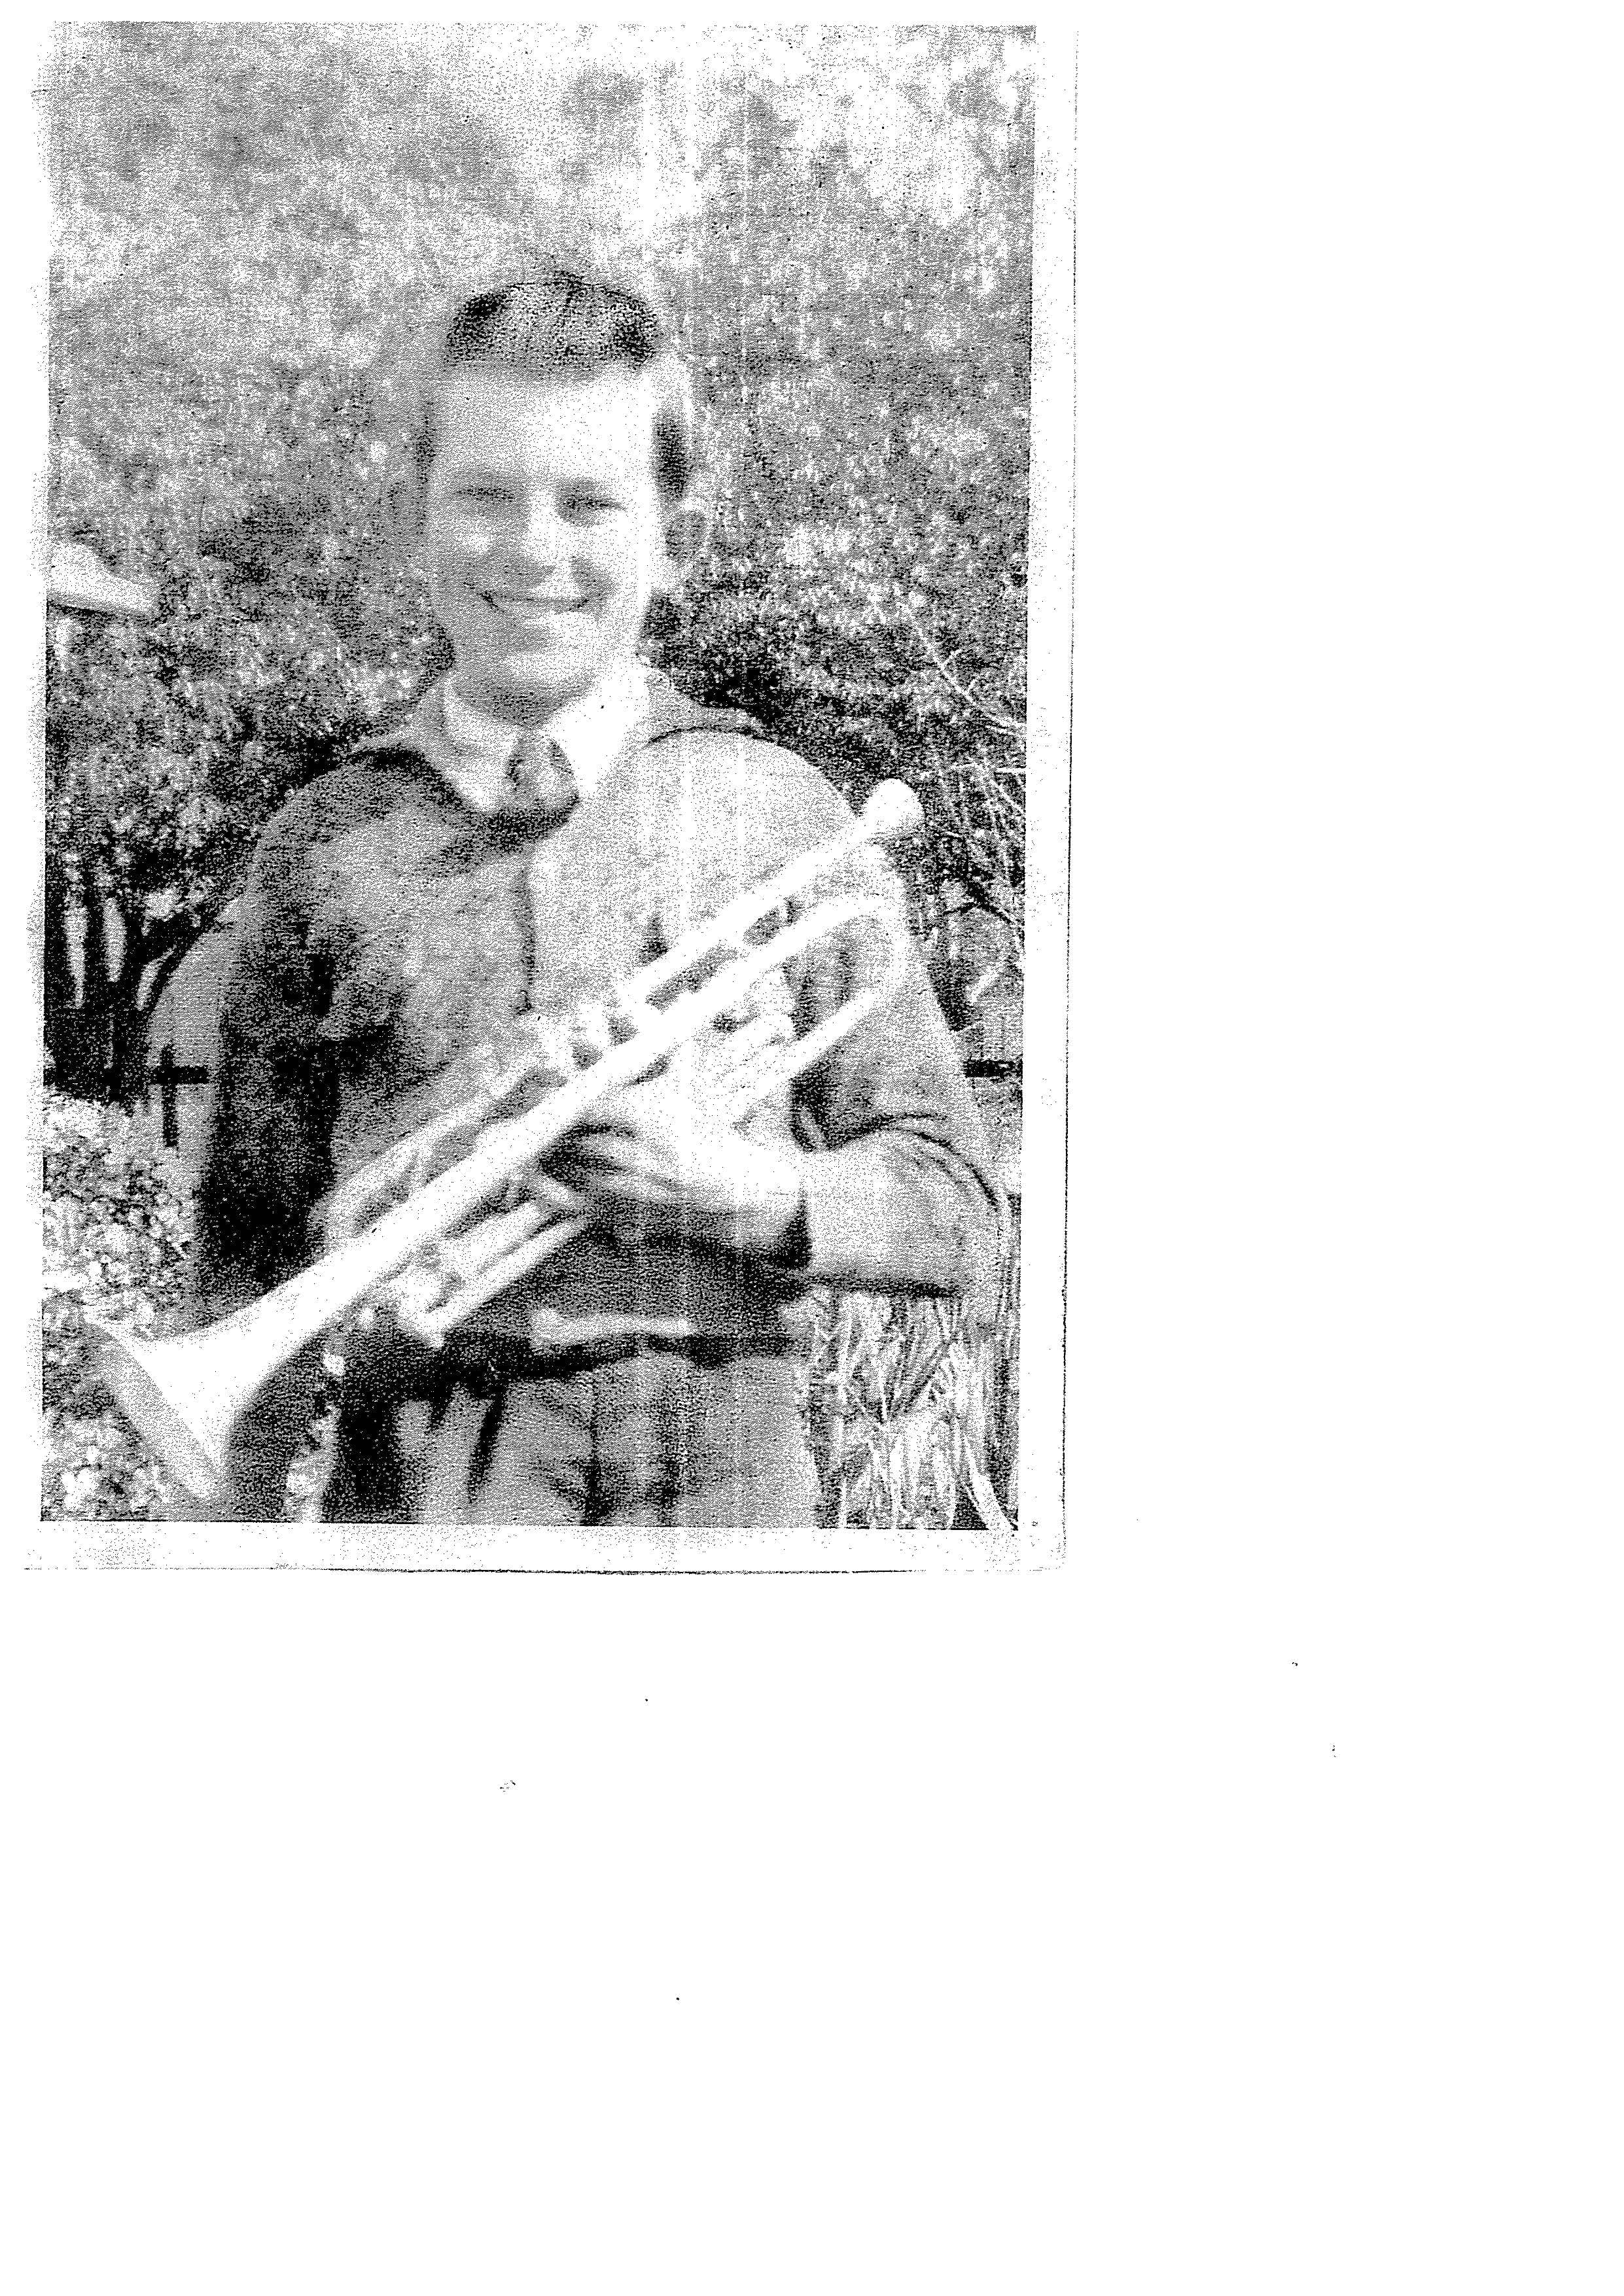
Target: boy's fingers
column 615, row 1117
column 706, row 1066
column 766, row 1029
column 754, row 1054
column 750, row 1086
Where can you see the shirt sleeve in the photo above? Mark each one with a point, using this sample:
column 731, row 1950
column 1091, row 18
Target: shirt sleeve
column 900, row 1195
column 268, row 1159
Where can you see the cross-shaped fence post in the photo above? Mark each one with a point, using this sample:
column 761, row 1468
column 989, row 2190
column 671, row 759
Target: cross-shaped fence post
column 168, row 1090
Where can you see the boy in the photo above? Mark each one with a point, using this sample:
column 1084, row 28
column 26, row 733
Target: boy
column 548, row 817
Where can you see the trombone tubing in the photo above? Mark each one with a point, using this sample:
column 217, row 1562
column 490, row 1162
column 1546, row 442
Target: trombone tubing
column 570, row 1216
column 307, row 1305
column 892, row 812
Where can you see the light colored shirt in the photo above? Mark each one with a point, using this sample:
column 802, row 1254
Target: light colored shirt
column 592, row 731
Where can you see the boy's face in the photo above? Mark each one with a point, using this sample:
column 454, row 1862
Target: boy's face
column 544, row 531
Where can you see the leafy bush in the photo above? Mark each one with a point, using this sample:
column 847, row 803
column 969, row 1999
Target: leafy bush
column 118, row 1224
column 117, row 1235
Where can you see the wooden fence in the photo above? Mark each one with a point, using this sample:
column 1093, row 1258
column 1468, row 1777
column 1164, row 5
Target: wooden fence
column 169, row 1075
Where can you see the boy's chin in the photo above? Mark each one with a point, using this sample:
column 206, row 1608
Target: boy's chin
column 525, row 693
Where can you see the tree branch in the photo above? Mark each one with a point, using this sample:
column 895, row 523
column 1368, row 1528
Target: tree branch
column 1010, row 727
column 160, row 935
column 163, row 972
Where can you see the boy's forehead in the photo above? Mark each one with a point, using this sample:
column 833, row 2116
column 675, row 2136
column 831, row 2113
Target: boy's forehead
column 485, row 412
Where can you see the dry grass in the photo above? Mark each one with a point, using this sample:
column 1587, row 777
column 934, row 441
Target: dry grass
column 911, row 1412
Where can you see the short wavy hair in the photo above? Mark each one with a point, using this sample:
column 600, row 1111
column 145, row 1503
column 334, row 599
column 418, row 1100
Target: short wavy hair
column 558, row 321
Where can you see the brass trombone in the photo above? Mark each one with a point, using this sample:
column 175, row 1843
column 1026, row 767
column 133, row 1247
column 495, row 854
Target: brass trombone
column 452, row 1215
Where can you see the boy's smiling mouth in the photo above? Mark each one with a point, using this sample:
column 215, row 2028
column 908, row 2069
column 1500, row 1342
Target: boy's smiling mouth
column 519, row 606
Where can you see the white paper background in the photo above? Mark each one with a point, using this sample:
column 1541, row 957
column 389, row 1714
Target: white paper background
column 977, row 1934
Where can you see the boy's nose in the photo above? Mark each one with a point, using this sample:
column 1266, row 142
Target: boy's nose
column 539, row 539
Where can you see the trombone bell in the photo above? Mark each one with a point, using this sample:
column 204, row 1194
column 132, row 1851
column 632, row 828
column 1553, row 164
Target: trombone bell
column 166, row 1389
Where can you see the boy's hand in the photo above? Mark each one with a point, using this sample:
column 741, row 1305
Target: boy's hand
column 729, row 1073
column 654, row 1164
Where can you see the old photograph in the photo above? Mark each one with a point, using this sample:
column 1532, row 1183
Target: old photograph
column 758, row 762
column 536, row 752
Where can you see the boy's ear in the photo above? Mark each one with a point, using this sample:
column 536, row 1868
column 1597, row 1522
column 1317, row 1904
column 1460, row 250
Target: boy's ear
column 685, row 535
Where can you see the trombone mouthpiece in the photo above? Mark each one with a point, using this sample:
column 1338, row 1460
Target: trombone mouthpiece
column 892, row 812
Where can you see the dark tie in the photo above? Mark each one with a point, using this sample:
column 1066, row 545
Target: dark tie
column 538, row 784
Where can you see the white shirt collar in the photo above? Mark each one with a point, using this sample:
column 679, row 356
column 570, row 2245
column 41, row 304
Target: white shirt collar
column 592, row 731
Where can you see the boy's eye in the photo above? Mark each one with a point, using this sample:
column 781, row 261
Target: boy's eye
column 477, row 492
column 591, row 505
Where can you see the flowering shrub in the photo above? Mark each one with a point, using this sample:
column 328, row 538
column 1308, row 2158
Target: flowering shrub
column 117, row 1226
